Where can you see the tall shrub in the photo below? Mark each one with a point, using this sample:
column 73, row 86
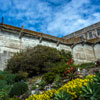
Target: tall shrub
column 35, row 60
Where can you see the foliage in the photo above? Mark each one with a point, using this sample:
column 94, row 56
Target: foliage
column 57, row 81
column 21, row 76
column 70, row 70
column 91, row 91
column 59, row 69
column 8, row 77
column 73, row 88
column 86, row 65
column 49, row 77
column 18, row 89
column 1, row 77
column 62, row 95
column 97, row 78
column 4, row 92
column 14, row 98
column 42, row 84
column 34, row 87
column 66, row 55
column 3, row 83
column 35, row 60
column 46, row 95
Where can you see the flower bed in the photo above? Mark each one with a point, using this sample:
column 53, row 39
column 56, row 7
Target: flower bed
column 72, row 87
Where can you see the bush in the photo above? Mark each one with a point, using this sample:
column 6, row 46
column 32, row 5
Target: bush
column 1, row 77
column 18, row 89
column 21, row 76
column 87, row 65
column 3, row 83
column 66, row 55
column 34, row 87
column 35, row 60
column 14, row 98
column 59, row 69
column 49, row 77
column 57, row 82
column 8, row 77
column 4, row 92
column 42, row 84
column 97, row 78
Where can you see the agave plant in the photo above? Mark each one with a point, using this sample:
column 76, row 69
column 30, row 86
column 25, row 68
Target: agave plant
column 97, row 78
column 63, row 95
column 91, row 92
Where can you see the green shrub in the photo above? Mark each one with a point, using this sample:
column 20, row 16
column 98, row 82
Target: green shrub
column 97, row 78
column 35, row 60
column 57, row 81
column 42, row 84
column 18, row 89
column 59, row 69
column 21, row 76
column 4, row 92
column 66, row 55
column 87, row 65
column 91, row 92
column 49, row 77
column 62, row 95
column 3, row 83
column 34, row 87
column 1, row 77
column 10, row 78
column 14, row 98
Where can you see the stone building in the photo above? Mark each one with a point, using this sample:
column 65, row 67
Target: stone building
column 84, row 44
column 13, row 39
column 90, row 34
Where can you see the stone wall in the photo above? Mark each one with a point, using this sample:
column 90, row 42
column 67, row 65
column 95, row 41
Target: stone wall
column 97, row 50
column 83, row 53
column 11, row 43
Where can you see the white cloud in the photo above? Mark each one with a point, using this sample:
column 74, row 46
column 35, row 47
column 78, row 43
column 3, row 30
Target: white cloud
column 40, row 15
column 69, row 18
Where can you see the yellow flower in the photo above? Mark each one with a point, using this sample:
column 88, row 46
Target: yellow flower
column 72, row 87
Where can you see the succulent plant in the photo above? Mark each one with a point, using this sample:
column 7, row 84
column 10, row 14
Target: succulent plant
column 97, row 78
column 91, row 91
column 63, row 95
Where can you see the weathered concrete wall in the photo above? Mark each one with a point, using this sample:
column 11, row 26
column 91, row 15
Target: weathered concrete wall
column 83, row 53
column 97, row 50
column 10, row 43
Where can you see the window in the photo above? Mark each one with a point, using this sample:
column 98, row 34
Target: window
column 90, row 35
column 98, row 32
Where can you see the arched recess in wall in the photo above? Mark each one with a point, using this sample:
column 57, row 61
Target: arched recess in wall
column 97, row 50
column 83, row 53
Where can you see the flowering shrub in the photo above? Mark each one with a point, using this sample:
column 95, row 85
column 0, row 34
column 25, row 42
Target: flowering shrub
column 46, row 95
column 70, row 70
column 73, row 87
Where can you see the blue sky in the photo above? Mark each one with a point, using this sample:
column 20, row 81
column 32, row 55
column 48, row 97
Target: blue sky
column 54, row 17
